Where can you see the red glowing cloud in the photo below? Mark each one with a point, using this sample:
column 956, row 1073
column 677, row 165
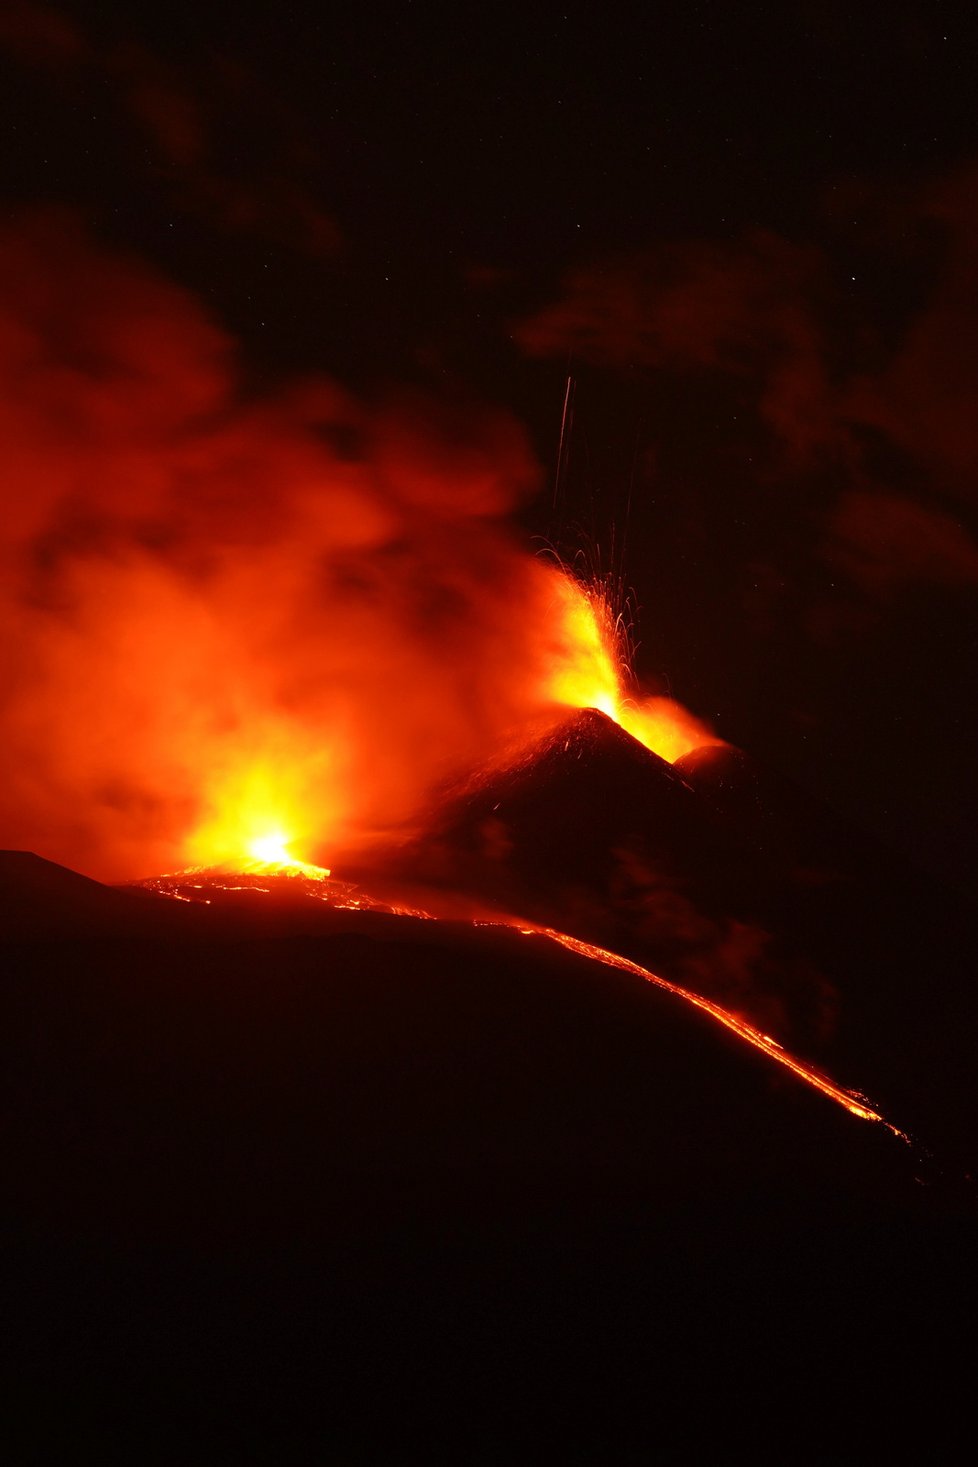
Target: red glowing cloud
column 233, row 615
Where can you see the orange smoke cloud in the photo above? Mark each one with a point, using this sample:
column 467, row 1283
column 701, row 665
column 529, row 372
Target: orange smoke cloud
column 236, row 617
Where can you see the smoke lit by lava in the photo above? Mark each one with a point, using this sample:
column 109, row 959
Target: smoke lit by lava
column 249, row 629
column 247, row 621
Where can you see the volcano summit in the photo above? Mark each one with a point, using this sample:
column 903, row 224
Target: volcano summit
column 289, row 1162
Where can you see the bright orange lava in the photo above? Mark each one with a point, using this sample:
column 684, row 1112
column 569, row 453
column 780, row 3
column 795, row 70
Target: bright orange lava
column 263, row 802
column 853, row 1102
column 272, row 850
column 589, row 670
column 279, row 781
column 185, row 886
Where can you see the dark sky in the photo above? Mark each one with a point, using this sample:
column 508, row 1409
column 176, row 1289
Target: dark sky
column 748, row 233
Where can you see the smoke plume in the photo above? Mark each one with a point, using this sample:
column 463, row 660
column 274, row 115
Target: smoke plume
column 229, row 609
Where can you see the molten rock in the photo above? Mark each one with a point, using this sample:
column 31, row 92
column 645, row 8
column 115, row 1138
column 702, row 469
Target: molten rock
column 586, row 830
column 407, row 1178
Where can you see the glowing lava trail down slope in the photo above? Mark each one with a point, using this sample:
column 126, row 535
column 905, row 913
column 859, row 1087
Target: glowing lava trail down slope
column 262, row 878
column 853, row 1102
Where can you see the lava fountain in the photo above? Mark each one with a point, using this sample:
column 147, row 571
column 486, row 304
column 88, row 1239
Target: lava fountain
column 590, row 669
column 259, row 805
column 245, row 625
column 234, row 615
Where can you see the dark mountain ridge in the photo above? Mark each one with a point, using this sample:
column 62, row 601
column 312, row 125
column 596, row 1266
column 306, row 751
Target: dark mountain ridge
column 283, row 1176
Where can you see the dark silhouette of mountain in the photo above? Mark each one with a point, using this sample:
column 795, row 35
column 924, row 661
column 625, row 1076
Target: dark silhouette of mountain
column 732, row 882
column 39, row 898
column 543, row 826
column 898, row 945
column 352, row 1186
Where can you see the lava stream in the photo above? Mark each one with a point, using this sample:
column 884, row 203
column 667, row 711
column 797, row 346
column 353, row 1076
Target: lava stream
column 199, row 884
column 853, row 1102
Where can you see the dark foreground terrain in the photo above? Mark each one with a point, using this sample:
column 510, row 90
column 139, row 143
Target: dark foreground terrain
column 286, row 1182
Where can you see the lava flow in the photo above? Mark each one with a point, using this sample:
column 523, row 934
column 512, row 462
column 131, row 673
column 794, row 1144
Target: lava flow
column 853, row 1102
column 263, row 877
column 586, row 670
column 259, row 877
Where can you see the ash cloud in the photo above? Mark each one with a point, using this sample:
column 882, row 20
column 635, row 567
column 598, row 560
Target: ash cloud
column 201, row 580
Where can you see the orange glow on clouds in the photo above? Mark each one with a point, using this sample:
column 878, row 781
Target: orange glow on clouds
column 235, row 618
column 260, row 808
column 270, row 798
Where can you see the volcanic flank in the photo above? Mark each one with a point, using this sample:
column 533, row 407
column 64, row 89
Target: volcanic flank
column 422, row 1177
column 501, row 1133
column 585, row 829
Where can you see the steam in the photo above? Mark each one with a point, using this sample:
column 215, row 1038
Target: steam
column 226, row 606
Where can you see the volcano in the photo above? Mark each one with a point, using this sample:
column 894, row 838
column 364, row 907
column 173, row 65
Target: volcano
column 295, row 1164
column 739, row 886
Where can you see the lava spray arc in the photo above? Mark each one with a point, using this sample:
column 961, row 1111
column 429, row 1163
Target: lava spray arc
column 263, row 807
column 248, row 626
column 257, row 628
column 590, row 669
column 237, row 615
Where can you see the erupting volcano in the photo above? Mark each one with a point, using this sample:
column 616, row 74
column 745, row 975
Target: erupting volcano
column 262, row 640
column 261, row 809
column 253, row 846
column 270, row 870
column 466, row 972
column 240, row 618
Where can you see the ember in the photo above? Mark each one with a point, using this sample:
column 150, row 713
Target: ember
column 237, row 620
column 591, row 670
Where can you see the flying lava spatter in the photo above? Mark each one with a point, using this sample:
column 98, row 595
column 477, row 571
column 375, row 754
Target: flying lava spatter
column 234, row 612
column 590, row 670
column 265, row 803
column 587, row 671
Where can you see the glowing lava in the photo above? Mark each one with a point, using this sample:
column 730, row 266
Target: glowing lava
column 855, row 1103
column 276, row 781
column 269, row 855
column 590, row 669
column 271, row 850
column 203, row 885
column 262, row 804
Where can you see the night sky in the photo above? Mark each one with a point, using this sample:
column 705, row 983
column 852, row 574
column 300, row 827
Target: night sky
column 748, row 234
